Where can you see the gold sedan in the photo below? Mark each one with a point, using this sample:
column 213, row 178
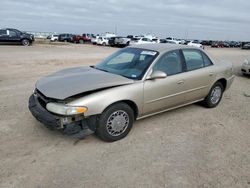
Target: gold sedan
column 133, row 83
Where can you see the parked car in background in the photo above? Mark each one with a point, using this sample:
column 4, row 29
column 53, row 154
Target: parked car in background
column 141, row 41
column 94, row 39
column 66, row 37
column 54, row 37
column 206, row 42
column 14, row 36
column 102, row 41
column 234, row 44
column 156, row 40
column 122, row 41
column 226, row 44
column 217, row 44
column 133, row 83
column 246, row 46
column 174, row 40
column 245, row 68
column 195, row 43
column 112, row 41
column 87, row 37
column 78, row 39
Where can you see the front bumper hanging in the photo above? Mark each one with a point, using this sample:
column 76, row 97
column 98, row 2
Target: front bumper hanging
column 78, row 128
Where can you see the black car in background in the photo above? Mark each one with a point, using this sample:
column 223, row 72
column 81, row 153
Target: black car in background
column 246, row 46
column 14, row 36
column 65, row 37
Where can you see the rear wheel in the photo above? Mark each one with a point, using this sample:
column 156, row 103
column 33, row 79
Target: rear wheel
column 104, row 43
column 214, row 96
column 25, row 42
column 115, row 122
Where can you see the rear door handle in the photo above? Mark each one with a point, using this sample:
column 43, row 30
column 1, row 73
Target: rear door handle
column 180, row 82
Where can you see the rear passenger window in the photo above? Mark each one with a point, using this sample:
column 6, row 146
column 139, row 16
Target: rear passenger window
column 193, row 58
column 207, row 61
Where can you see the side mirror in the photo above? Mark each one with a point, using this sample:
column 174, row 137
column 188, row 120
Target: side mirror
column 157, row 75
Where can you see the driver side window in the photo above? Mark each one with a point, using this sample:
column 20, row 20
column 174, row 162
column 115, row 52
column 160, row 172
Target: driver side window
column 12, row 33
column 170, row 63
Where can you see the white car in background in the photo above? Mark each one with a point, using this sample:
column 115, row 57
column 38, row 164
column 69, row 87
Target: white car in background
column 142, row 40
column 195, row 43
column 104, row 41
column 173, row 40
column 54, row 38
column 94, row 39
column 245, row 68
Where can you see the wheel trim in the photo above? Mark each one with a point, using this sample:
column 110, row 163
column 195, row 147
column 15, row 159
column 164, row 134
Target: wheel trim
column 117, row 123
column 216, row 95
column 25, row 42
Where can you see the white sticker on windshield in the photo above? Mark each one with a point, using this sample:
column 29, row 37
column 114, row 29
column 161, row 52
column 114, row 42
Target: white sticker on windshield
column 133, row 76
column 148, row 53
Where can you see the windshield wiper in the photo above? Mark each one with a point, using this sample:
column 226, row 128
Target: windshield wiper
column 94, row 67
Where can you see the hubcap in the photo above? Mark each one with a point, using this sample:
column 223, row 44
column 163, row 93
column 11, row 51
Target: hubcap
column 25, row 42
column 216, row 95
column 117, row 123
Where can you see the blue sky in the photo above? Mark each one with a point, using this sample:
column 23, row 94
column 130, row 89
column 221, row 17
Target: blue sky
column 194, row 19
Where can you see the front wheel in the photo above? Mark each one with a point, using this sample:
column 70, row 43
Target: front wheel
column 115, row 122
column 25, row 42
column 214, row 96
column 104, row 44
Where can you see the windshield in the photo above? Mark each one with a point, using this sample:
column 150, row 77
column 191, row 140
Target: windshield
column 128, row 62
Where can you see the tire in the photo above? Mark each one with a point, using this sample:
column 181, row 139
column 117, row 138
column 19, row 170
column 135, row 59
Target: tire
column 104, row 43
column 81, row 41
column 119, row 114
column 25, row 42
column 65, row 40
column 127, row 44
column 213, row 99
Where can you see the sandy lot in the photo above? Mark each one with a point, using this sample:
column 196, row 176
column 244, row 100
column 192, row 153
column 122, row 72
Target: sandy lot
column 188, row 147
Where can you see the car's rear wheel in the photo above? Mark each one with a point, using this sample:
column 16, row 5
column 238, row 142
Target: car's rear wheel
column 104, row 43
column 115, row 122
column 25, row 42
column 214, row 96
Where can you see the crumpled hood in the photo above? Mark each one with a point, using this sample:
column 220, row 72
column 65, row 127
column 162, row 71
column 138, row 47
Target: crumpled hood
column 73, row 81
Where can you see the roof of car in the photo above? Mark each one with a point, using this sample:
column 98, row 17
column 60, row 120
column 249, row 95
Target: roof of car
column 162, row 47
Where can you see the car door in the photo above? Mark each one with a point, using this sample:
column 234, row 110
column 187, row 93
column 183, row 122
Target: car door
column 3, row 36
column 198, row 75
column 164, row 93
column 13, row 36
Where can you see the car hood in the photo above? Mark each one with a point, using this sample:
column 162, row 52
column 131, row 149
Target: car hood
column 73, row 81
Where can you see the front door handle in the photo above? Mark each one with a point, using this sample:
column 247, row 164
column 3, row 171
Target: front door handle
column 211, row 74
column 180, row 82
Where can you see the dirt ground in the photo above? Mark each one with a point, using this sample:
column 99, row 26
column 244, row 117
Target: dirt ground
column 189, row 147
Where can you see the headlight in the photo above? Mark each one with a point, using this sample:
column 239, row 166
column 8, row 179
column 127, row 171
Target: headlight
column 63, row 109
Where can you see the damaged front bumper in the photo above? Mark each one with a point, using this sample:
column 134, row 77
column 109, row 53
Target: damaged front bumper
column 69, row 125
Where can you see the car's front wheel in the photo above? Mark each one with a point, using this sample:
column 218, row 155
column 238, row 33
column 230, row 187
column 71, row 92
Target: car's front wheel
column 214, row 96
column 115, row 122
column 25, row 42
